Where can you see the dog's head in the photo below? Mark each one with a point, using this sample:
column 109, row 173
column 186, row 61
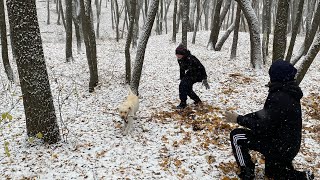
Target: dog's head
column 124, row 112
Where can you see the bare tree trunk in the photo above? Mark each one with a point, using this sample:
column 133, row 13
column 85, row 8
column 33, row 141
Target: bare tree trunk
column 4, row 43
column 310, row 7
column 98, row 10
column 125, row 21
column 62, row 14
column 224, row 11
column 179, row 13
column 280, row 31
column 112, row 14
column 166, row 15
column 117, row 19
column 35, row 87
column 309, row 36
column 136, row 26
column 76, row 17
column 185, row 21
column 69, row 31
column 295, row 30
column 174, row 24
column 255, row 43
column 48, row 11
column 90, row 42
column 236, row 33
column 216, row 26
column 58, row 12
column 142, row 46
column 197, row 22
column 266, row 29
column 312, row 53
column 132, row 12
column 191, row 14
column 224, row 37
column 161, row 17
column 206, row 14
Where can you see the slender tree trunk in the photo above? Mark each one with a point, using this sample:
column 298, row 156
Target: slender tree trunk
column 174, row 24
column 76, row 17
column 224, row 37
column 216, row 27
column 136, row 26
column 37, row 98
column 142, row 46
column 132, row 12
column 266, row 29
column 166, row 15
column 312, row 53
column 62, row 14
column 185, row 22
column 295, row 30
column 117, row 19
column 4, row 43
column 309, row 36
column 98, row 10
column 236, row 33
column 48, row 11
column 58, row 12
column 197, row 22
column 69, row 31
column 224, row 11
column 90, row 42
column 280, row 30
column 255, row 42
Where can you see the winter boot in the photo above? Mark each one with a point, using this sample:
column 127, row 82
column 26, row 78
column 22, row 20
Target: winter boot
column 247, row 173
column 198, row 102
column 182, row 105
column 309, row 175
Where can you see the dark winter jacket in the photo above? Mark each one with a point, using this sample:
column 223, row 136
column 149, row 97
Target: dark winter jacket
column 192, row 68
column 279, row 123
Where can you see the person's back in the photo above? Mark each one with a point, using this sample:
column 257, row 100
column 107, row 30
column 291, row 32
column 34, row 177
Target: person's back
column 275, row 131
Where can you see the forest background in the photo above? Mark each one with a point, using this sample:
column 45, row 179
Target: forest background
column 60, row 87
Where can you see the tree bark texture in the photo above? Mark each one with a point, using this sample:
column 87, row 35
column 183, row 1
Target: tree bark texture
column 90, row 42
column 255, row 42
column 312, row 53
column 142, row 46
column 37, row 98
column 280, row 30
column 4, row 44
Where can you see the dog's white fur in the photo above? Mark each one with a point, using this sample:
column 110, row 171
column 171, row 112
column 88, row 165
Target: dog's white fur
column 128, row 110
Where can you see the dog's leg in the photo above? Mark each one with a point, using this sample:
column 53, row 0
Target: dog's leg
column 128, row 126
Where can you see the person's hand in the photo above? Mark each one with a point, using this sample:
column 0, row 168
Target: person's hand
column 230, row 116
column 205, row 83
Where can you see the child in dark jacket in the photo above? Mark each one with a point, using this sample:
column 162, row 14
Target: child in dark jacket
column 191, row 71
column 274, row 131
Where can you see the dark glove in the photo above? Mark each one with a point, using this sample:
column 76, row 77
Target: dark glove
column 205, row 83
column 231, row 116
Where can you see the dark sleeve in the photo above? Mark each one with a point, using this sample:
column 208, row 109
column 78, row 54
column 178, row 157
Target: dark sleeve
column 262, row 121
column 182, row 69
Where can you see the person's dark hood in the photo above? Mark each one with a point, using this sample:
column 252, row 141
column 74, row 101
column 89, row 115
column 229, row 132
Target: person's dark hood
column 282, row 71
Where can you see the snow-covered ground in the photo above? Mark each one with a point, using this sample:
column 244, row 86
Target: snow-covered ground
column 164, row 144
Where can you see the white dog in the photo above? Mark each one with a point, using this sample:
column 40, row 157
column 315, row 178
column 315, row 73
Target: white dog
column 128, row 110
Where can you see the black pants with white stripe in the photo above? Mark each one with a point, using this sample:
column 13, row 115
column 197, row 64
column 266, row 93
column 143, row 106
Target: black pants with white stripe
column 278, row 164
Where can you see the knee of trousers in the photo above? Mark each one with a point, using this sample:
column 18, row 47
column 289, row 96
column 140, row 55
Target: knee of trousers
column 237, row 131
column 238, row 136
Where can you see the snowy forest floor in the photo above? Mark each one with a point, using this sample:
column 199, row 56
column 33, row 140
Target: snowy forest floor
column 164, row 143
